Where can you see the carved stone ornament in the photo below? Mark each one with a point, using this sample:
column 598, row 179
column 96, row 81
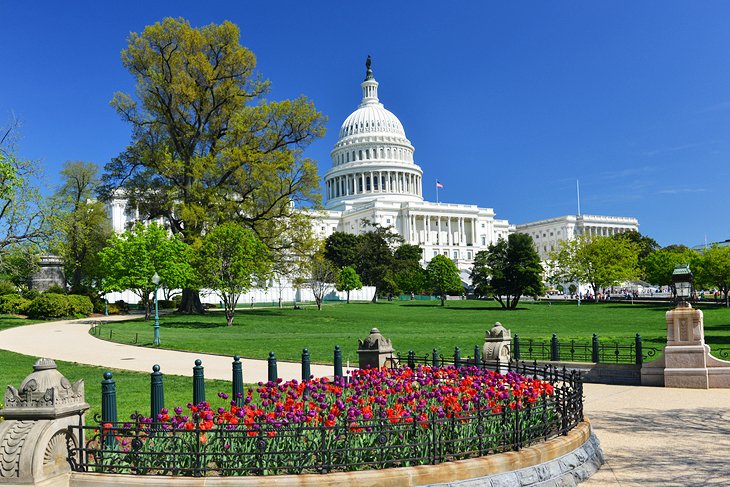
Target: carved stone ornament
column 45, row 393
column 499, row 331
column 375, row 341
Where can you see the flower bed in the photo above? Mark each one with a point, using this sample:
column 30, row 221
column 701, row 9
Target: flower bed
column 378, row 418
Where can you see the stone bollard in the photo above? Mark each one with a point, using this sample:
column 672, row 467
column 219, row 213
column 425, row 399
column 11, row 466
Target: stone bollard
column 497, row 345
column 35, row 436
column 374, row 351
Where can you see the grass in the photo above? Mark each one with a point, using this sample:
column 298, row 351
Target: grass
column 133, row 388
column 418, row 326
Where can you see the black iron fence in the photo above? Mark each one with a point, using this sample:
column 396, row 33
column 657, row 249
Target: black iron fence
column 595, row 351
column 141, row 447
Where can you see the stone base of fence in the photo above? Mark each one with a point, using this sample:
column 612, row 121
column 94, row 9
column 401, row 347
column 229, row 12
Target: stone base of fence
column 614, row 374
column 564, row 461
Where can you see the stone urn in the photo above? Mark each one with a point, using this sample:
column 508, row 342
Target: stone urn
column 497, row 344
column 374, row 351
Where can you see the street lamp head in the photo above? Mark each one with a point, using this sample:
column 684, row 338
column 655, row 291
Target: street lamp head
column 156, row 279
column 682, row 278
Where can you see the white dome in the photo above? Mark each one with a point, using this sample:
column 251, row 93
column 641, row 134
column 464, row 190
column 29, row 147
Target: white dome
column 372, row 118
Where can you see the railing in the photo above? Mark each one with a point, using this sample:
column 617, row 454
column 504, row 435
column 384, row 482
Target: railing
column 147, row 448
column 573, row 351
column 721, row 353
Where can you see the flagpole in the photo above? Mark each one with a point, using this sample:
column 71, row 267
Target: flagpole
column 437, row 191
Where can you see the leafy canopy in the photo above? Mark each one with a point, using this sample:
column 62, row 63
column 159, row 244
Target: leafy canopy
column 444, row 276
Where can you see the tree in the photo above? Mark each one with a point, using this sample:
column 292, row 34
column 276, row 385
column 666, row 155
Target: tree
column 599, row 261
column 375, row 258
column 509, row 268
column 82, row 225
column 320, row 278
column 231, row 260
column 659, row 265
column 132, row 258
column 408, row 275
column 19, row 263
column 341, row 249
column 23, row 214
column 207, row 147
column 444, row 276
column 645, row 245
column 713, row 269
column 348, row 280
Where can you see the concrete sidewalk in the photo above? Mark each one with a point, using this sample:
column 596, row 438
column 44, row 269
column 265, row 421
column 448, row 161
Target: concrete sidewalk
column 71, row 341
column 651, row 436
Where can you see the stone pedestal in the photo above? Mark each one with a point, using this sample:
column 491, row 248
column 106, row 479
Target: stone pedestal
column 50, row 273
column 374, row 351
column 687, row 362
column 34, row 438
column 497, row 345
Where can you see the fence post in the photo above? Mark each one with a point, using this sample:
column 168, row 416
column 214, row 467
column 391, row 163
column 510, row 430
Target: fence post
column 639, row 350
column 435, row 358
column 554, row 348
column 109, row 408
column 157, row 393
column 198, row 383
column 594, row 349
column 411, row 359
column 457, row 357
column 306, row 369
column 477, row 355
column 273, row 374
column 338, row 361
column 516, row 347
column 237, row 380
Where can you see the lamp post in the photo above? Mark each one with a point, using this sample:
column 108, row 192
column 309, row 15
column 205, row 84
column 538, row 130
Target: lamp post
column 156, row 339
column 682, row 278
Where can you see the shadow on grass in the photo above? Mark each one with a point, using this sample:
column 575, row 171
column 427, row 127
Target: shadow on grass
column 194, row 324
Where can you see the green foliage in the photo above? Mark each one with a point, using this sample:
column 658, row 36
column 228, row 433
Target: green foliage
column 29, row 294
column 19, row 262
column 230, row 261
column 81, row 306
column 658, row 266
column 7, row 287
column 713, row 270
column 132, row 258
column 81, row 224
column 348, row 280
column 13, row 304
column 50, row 306
column 341, row 249
column 207, row 146
column 55, row 289
column 508, row 269
column 444, row 276
column 598, row 261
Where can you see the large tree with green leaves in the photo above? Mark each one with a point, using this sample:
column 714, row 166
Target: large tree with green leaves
column 444, row 276
column 348, row 280
column 713, row 270
column 131, row 260
column 82, row 225
column 599, row 261
column 232, row 260
column 207, row 146
column 659, row 265
column 341, row 249
column 508, row 269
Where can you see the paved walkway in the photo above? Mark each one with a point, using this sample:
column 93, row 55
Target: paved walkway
column 651, row 436
column 71, row 341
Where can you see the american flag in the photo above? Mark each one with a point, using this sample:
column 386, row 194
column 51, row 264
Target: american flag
column 439, row 185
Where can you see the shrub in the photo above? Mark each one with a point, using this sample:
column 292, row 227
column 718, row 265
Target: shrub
column 166, row 304
column 115, row 309
column 55, row 289
column 80, row 305
column 7, row 287
column 123, row 308
column 13, row 304
column 49, row 306
column 30, row 294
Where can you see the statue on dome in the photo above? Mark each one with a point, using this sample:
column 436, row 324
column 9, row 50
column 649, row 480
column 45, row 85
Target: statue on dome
column 369, row 72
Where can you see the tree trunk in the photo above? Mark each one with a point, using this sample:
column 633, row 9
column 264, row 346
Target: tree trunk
column 319, row 303
column 146, row 303
column 348, row 297
column 190, row 303
column 229, row 314
column 443, row 299
column 375, row 296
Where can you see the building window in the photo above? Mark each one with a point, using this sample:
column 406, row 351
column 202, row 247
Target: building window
column 456, row 254
column 387, row 220
column 435, row 253
column 469, row 255
column 484, row 240
column 484, row 225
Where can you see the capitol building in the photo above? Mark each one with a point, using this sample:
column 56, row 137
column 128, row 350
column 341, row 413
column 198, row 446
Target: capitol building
column 374, row 179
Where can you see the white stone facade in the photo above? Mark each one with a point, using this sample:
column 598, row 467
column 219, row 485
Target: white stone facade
column 547, row 234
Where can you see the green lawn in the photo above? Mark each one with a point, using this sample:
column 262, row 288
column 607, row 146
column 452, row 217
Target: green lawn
column 419, row 326
column 133, row 389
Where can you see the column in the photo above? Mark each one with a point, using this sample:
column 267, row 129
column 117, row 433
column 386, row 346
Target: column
column 449, row 240
column 362, row 181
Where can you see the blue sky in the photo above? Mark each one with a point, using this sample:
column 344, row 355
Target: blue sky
column 506, row 103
